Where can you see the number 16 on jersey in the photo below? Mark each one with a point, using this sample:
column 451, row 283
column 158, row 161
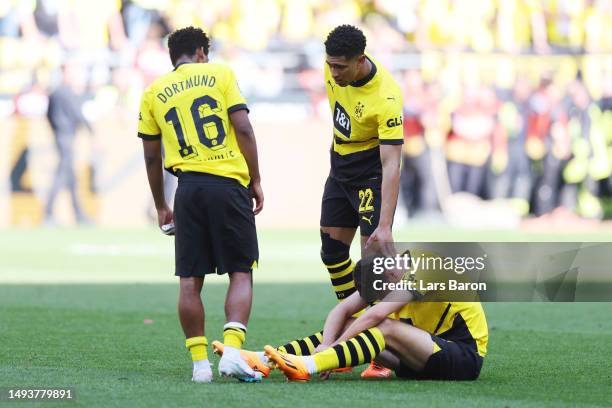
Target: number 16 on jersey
column 210, row 128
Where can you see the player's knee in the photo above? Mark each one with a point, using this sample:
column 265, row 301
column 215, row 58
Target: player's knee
column 240, row 276
column 190, row 286
column 384, row 327
column 388, row 329
column 333, row 251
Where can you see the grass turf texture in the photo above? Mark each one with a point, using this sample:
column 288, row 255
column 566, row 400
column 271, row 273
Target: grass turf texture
column 87, row 330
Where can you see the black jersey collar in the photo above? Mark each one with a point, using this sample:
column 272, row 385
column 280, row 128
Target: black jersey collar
column 368, row 77
column 182, row 63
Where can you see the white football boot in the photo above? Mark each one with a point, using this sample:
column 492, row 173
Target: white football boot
column 233, row 365
column 202, row 373
column 202, row 376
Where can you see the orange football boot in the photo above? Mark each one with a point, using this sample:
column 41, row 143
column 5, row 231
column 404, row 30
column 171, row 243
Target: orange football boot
column 292, row 366
column 376, row 371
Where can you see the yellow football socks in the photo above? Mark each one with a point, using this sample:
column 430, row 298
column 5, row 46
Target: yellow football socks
column 234, row 334
column 361, row 349
column 302, row 347
column 197, row 346
column 341, row 275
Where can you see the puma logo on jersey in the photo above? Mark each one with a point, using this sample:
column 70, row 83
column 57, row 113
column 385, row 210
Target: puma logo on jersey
column 369, row 220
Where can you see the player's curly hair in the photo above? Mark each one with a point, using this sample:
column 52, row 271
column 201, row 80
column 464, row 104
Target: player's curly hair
column 345, row 41
column 185, row 41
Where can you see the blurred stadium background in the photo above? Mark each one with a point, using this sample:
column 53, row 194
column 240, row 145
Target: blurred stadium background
column 508, row 128
column 508, row 104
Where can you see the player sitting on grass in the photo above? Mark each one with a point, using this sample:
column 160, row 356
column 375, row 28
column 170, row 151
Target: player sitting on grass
column 418, row 339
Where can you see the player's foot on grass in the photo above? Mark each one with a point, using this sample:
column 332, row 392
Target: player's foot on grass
column 233, row 365
column 292, row 366
column 202, row 375
column 251, row 358
column 376, row 371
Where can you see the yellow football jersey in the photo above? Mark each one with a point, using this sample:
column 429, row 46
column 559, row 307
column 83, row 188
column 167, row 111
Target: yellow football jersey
column 452, row 321
column 189, row 109
column 366, row 113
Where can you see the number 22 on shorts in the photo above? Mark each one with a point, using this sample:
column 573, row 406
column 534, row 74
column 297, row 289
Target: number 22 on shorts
column 366, row 197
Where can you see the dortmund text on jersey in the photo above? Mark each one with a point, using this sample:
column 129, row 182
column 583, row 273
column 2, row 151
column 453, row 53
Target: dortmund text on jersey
column 189, row 109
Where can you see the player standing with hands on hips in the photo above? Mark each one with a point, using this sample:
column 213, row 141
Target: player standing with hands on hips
column 200, row 116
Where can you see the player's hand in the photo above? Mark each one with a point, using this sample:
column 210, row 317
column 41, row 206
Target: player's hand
column 164, row 216
column 258, row 196
column 381, row 240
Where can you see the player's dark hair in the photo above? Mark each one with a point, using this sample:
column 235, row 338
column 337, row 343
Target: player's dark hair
column 364, row 278
column 345, row 41
column 185, row 41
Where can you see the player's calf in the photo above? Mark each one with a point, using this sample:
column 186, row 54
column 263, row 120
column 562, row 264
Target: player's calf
column 337, row 259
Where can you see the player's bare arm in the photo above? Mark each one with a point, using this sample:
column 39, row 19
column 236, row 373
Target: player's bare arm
column 371, row 318
column 338, row 317
column 153, row 163
column 248, row 146
column 390, row 157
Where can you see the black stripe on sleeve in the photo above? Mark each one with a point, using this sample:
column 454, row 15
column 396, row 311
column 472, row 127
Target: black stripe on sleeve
column 144, row 136
column 391, row 141
column 370, row 337
column 290, row 349
column 340, row 353
column 235, row 108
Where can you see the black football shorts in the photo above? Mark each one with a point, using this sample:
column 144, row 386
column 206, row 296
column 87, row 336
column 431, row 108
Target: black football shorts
column 352, row 205
column 455, row 361
column 214, row 226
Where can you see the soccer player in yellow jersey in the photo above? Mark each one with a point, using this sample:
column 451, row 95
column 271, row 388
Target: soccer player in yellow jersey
column 200, row 116
column 411, row 334
column 421, row 340
column 363, row 183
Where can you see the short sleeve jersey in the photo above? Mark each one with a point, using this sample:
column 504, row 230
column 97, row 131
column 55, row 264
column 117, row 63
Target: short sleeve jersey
column 366, row 114
column 189, row 110
column 452, row 321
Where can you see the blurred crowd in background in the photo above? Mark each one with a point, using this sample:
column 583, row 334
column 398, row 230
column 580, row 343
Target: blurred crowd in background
column 503, row 99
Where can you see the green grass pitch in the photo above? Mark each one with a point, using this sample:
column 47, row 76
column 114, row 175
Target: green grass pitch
column 73, row 305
